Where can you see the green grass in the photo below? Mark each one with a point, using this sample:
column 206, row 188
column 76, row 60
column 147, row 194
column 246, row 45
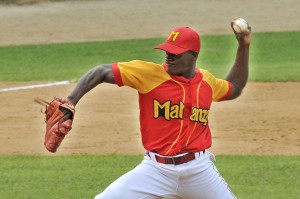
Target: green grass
column 65, row 61
column 59, row 177
column 261, row 177
column 65, row 177
column 273, row 57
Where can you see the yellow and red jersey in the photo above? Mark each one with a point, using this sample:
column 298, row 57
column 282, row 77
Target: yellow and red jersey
column 173, row 110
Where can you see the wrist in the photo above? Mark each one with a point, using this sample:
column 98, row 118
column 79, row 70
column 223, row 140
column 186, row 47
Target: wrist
column 71, row 100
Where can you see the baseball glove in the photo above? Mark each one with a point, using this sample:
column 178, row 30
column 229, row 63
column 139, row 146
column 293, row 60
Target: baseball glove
column 59, row 118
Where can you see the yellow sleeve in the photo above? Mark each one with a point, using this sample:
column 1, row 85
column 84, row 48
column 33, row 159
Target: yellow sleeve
column 220, row 88
column 142, row 76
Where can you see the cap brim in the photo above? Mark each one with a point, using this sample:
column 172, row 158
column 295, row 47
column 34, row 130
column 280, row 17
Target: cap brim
column 171, row 48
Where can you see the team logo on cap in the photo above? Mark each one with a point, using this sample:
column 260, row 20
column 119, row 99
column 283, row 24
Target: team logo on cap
column 174, row 35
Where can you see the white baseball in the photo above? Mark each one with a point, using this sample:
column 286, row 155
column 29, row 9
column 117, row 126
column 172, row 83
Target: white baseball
column 240, row 25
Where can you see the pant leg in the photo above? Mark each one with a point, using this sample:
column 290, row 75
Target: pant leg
column 147, row 181
column 202, row 180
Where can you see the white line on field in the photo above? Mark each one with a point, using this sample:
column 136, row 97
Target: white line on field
column 33, row 86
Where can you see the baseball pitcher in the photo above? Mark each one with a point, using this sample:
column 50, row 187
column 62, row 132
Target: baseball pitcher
column 174, row 100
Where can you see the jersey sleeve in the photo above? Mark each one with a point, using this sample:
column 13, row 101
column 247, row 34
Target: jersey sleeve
column 140, row 75
column 220, row 88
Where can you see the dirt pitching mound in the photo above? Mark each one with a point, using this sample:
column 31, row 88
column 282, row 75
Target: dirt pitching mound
column 264, row 120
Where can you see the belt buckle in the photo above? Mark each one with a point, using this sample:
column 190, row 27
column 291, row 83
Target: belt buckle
column 173, row 160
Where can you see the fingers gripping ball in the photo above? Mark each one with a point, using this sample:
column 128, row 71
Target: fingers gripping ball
column 240, row 25
column 59, row 118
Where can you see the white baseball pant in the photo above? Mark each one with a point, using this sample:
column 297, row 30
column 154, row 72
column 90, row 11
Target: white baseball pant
column 196, row 179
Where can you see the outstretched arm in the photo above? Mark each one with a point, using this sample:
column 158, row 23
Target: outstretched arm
column 90, row 80
column 238, row 74
column 60, row 112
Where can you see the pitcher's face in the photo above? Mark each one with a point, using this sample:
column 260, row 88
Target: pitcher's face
column 182, row 64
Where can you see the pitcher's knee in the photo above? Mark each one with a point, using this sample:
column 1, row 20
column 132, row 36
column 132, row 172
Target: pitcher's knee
column 104, row 195
column 97, row 197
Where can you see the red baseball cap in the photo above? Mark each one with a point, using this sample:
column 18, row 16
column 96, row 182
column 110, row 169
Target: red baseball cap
column 180, row 40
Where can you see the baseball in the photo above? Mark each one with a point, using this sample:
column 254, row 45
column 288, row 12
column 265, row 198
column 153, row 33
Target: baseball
column 240, row 25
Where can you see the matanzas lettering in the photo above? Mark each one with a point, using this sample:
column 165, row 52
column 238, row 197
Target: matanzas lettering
column 170, row 111
column 199, row 115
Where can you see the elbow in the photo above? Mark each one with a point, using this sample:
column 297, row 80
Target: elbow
column 235, row 92
column 96, row 75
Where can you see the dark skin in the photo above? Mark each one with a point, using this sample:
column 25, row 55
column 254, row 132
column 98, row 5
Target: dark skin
column 183, row 64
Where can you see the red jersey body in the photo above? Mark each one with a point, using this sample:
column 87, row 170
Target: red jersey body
column 173, row 110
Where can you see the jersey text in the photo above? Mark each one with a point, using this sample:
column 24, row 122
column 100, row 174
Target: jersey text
column 199, row 115
column 168, row 111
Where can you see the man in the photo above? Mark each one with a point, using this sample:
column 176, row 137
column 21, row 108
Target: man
column 175, row 100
